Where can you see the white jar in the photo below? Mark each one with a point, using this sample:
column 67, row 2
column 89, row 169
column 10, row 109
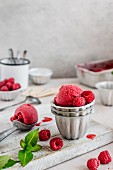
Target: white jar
column 19, row 71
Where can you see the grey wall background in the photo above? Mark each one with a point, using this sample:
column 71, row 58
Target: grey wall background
column 57, row 33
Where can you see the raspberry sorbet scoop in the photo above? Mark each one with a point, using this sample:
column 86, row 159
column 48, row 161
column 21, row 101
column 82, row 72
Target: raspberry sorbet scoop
column 26, row 114
column 66, row 95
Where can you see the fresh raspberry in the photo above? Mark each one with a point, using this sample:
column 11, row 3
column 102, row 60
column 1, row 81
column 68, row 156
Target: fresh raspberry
column 88, row 95
column 55, row 99
column 104, row 157
column 93, row 164
column 79, row 101
column 9, row 85
column 2, row 83
column 4, row 88
column 11, row 80
column 56, row 143
column 15, row 86
column 5, row 81
column 44, row 135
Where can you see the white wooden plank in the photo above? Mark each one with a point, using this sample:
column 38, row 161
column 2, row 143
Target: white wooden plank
column 46, row 157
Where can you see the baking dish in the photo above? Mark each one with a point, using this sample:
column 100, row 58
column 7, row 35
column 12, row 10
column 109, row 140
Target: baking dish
column 93, row 72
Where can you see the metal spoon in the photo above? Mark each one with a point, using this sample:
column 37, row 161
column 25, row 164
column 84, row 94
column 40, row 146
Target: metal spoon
column 17, row 125
column 18, row 56
column 31, row 99
column 12, row 55
column 24, row 55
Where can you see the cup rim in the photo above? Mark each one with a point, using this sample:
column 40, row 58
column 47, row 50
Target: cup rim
column 49, row 72
column 74, row 108
column 9, row 64
column 80, row 116
column 11, row 92
column 98, row 85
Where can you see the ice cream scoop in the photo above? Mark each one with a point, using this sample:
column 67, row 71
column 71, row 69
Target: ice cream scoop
column 17, row 125
column 26, row 114
column 25, row 117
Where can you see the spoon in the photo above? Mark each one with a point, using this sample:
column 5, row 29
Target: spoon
column 12, row 55
column 24, row 55
column 18, row 56
column 17, row 125
column 32, row 100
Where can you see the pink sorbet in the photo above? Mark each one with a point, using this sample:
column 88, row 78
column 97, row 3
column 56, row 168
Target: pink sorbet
column 67, row 94
column 26, row 113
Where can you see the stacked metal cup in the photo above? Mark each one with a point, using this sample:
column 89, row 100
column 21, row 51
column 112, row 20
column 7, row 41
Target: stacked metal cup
column 72, row 122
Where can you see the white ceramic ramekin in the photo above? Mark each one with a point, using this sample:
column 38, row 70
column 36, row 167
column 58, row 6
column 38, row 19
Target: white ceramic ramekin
column 105, row 89
column 9, row 95
column 40, row 75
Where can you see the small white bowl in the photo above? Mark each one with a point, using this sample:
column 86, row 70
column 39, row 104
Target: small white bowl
column 9, row 95
column 40, row 75
column 105, row 92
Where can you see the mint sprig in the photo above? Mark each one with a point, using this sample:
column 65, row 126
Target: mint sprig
column 10, row 163
column 25, row 157
column 35, row 148
column 3, row 160
column 28, row 145
column 32, row 138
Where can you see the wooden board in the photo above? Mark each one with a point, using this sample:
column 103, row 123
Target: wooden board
column 46, row 157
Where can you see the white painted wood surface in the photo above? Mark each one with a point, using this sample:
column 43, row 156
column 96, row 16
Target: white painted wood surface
column 102, row 114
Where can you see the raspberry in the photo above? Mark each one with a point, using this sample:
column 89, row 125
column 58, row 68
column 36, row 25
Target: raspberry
column 104, row 157
column 4, row 88
column 55, row 99
column 16, row 86
column 2, row 83
column 56, row 143
column 5, row 81
column 88, row 95
column 93, row 163
column 44, row 134
column 79, row 101
column 11, row 80
column 9, row 85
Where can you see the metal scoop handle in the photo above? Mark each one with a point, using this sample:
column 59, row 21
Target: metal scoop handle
column 7, row 133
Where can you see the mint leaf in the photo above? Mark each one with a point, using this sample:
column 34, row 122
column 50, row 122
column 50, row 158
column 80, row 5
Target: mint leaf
column 10, row 163
column 32, row 137
column 22, row 144
column 25, row 157
column 3, row 160
column 35, row 148
column 112, row 72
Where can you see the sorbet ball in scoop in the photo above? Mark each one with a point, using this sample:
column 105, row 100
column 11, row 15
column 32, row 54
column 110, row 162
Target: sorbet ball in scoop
column 26, row 113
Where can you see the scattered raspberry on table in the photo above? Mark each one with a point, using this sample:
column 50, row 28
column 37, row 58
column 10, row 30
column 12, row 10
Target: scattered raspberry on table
column 56, row 143
column 44, row 135
column 93, row 164
column 104, row 157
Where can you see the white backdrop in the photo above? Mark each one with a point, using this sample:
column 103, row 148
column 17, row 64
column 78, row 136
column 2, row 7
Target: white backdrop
column 57, row 33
